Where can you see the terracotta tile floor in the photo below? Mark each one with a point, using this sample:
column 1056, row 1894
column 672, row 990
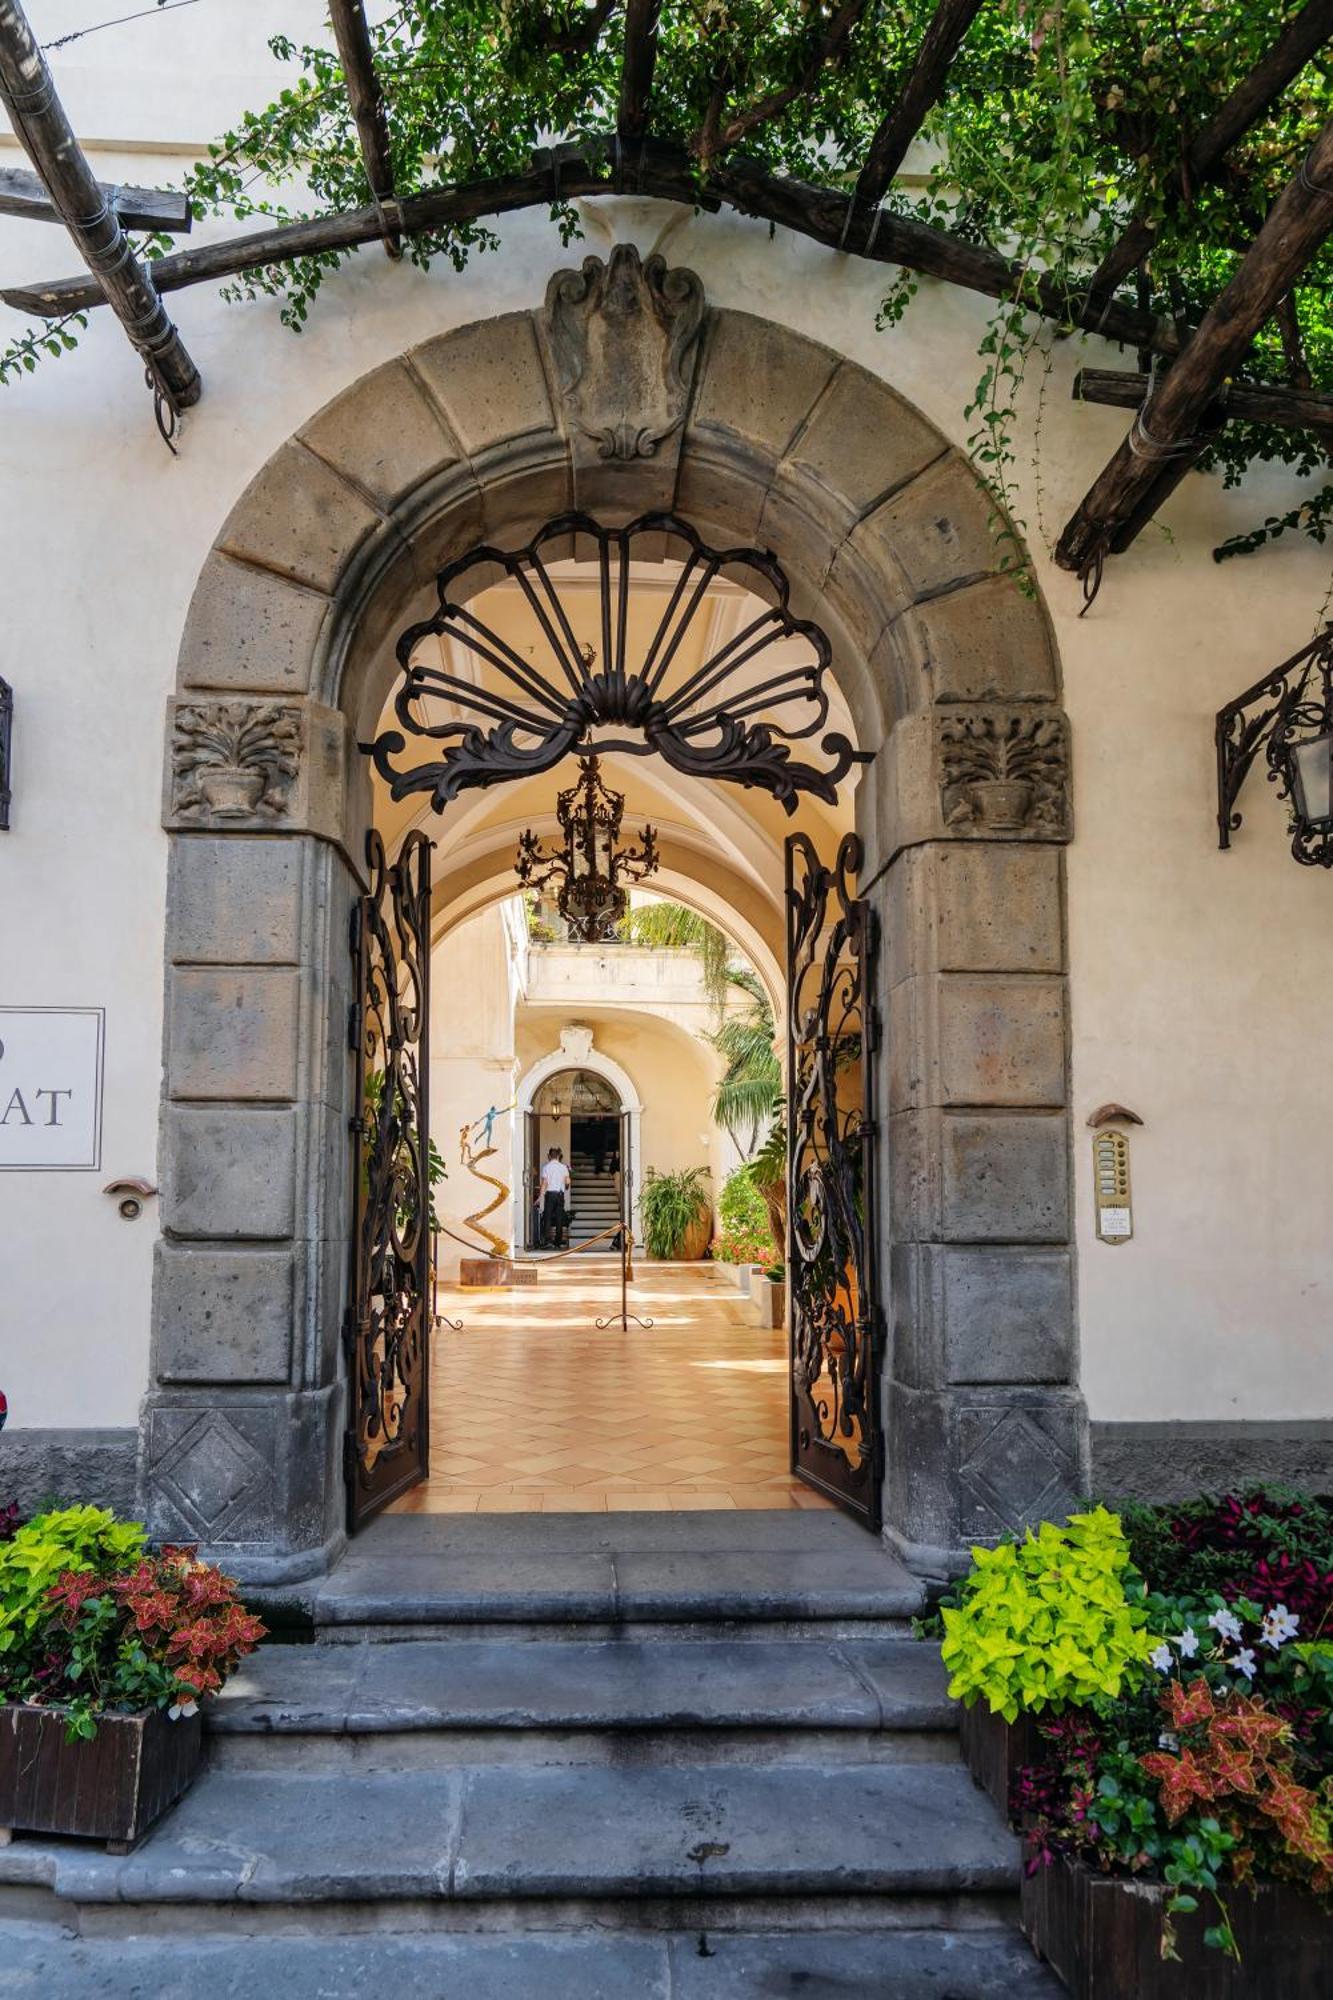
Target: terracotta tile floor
column 533, row 1410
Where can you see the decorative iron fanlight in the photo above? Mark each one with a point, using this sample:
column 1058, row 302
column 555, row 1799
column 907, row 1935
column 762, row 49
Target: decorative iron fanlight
column 735, row 713
column 1290, row 711
column 589, row 866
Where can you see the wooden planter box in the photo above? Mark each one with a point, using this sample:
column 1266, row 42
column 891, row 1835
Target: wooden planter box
column 111, row 1788
column 995, row 1750
column 1102, row 1934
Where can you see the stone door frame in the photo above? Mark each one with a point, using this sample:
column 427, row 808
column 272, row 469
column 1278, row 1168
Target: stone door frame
column 759, row 437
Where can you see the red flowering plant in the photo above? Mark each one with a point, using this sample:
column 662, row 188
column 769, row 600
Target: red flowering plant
column 1217, row 1770
column 100, row 1624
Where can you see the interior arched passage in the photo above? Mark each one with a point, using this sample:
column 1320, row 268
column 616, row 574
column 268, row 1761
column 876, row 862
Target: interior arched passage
column 950, row 677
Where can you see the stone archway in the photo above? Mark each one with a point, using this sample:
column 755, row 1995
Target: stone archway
column 758, row 436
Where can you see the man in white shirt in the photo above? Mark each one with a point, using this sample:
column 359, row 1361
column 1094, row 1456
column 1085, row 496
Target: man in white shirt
column 555, row 1186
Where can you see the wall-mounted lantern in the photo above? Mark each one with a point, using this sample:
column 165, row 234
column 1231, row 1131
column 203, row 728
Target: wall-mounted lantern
column 1288, row 715
column 6, row 751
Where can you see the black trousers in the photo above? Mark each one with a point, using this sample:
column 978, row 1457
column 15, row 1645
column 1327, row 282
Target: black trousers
column 553, row 1220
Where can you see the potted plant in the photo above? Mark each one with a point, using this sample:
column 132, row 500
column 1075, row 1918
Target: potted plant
column 107, row 1649
column 1176, row 1791
column 1040, row 1624
column 677, row 1213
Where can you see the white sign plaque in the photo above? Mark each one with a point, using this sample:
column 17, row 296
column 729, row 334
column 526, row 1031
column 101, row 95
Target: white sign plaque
column 51, row 1087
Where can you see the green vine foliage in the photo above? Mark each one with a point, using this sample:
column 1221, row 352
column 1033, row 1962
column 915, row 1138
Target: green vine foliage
column 1060, row 119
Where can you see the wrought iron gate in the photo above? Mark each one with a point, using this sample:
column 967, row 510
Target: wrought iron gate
column 386, row 1327
column 836, row 1322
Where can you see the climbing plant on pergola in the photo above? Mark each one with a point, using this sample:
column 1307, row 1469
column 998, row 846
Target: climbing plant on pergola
column 1159, row 173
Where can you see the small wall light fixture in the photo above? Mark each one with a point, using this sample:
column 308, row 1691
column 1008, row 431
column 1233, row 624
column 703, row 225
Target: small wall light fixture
column 1289, row 716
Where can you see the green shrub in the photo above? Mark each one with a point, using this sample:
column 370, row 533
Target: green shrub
column 670, row 1205
column 40, row 1552
column 1056, row 1618
column 744, row 1236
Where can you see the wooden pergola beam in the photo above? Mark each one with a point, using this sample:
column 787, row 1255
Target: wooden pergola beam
column 920, row 88
column 39, row 120
column 636, row 75
column 666, row 171
column 1181, row 417
column 24, row 195
column 1251, row 402
column 1302, row 38
column 352, row 36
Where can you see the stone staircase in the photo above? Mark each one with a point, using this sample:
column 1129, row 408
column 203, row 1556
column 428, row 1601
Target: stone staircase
column 594, row 1198
column 550, row 1756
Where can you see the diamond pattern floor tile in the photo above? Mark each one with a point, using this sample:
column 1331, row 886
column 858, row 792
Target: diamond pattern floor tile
column 534, row 1410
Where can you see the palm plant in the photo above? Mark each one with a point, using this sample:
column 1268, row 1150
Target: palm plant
column 751, row 1083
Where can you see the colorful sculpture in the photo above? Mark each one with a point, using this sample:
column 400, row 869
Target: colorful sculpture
column 476, row 1143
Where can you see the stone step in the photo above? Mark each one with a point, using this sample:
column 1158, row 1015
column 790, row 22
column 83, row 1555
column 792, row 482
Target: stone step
column 984, row 1964
column 437, row 1703
column 916, row 1838
column 615, row 1574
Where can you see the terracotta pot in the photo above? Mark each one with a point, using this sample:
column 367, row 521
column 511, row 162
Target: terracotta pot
column 111, row 1787
column 1102, row 1934
column 1002, row 804
column 231, row 791
column 697, row 1237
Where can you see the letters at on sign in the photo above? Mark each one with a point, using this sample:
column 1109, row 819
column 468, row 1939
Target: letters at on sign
column 51, row 1087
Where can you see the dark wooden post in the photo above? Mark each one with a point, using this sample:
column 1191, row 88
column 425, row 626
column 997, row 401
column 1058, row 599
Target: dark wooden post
column 1174, row 427
column 39, row 119
column 636, row 76
column 919, row 89
column 367, row 102
column 1302, row 38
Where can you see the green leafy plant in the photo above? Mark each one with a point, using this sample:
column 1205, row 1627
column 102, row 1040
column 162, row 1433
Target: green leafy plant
column 1050, row 1620
column 743, row 1234
column 750, row 1089
column 91, row 1621
column 670, row 1205
column 1059, row 121
column 38, row 1554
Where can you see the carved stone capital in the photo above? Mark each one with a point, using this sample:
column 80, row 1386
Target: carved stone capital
column 624, row 339
column 1003, row 772
column 255, row 764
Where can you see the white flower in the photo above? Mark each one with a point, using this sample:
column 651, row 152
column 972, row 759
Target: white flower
column 1188, row 1643
column 1168, row 1740
column 1279, row 1625
column 1243, row 1662
column 1226, row 1624
column 180, row 1708
column 1163, row 1658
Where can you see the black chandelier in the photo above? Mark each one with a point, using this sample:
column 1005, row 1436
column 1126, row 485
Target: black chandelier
column 589, row 865
column 734, row 713
column 1288, row 714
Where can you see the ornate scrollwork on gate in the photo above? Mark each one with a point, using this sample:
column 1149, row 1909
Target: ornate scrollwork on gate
column 387, row 1324
column 835, row 1317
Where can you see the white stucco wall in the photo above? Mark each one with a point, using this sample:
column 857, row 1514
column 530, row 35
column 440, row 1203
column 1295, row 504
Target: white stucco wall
column 1196, row 978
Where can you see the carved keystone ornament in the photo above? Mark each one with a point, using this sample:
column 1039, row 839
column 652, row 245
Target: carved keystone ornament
column 234, row 759
column 1005, row 771
column 625, row 337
